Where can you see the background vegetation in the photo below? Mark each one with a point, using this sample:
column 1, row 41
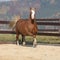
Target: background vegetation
column 10, row 38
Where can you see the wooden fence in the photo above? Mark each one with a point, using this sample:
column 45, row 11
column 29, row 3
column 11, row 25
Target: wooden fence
column 54, row 23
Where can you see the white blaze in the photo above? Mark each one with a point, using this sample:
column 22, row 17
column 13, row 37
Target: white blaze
column 33, row 13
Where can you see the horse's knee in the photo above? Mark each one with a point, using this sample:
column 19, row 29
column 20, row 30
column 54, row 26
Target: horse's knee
column 24, row 43
column 17, row 36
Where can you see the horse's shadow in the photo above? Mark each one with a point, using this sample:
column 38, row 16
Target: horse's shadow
column 28, row 43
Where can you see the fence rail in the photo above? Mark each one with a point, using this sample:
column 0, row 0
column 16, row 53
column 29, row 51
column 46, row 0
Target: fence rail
column 45, row 22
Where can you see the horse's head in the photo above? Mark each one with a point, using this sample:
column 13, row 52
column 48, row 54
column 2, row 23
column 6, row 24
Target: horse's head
column 32, row 13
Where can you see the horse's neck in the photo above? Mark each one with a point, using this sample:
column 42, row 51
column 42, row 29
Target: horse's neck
column 32, row 21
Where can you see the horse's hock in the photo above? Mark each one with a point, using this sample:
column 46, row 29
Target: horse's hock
column 41, row 52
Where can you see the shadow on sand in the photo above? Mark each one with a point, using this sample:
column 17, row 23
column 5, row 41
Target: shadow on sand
column 30, row 43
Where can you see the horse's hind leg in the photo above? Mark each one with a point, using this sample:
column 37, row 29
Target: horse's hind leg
column 17, row 37
column 34, row 41
column 23, row 40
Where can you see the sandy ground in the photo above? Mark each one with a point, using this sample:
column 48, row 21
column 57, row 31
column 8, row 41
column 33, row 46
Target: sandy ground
column 41, row 52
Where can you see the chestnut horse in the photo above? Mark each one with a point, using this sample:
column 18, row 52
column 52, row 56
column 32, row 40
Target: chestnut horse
column 28, row 27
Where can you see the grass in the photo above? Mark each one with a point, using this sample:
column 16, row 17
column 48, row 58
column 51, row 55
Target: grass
column 49, row 39
column 40, row 39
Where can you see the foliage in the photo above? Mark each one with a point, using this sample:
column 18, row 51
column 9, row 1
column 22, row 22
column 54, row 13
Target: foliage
column 40, row 39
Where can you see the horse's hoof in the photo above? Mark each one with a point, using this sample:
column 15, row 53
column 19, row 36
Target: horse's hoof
column 34, row 45
column 17, row 42
column 24, row 43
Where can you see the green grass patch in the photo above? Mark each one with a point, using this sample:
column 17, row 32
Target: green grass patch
column 40, row 39
column 48, row 39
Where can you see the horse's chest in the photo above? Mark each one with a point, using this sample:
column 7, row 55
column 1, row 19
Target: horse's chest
column 30, row 27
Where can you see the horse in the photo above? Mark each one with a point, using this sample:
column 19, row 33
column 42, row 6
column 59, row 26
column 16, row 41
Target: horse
column 27, row 27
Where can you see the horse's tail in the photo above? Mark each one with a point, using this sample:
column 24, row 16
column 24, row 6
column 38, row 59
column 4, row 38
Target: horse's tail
column 12, row 23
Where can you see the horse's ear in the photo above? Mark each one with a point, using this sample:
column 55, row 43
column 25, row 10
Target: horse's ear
column 35, row 8
column 30, row 8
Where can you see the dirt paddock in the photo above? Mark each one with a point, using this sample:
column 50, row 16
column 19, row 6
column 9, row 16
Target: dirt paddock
column 41, row 52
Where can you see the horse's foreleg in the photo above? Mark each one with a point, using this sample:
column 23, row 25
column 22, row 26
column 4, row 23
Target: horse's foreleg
column 34, row 41
column 23, row 40
column 17, row 37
